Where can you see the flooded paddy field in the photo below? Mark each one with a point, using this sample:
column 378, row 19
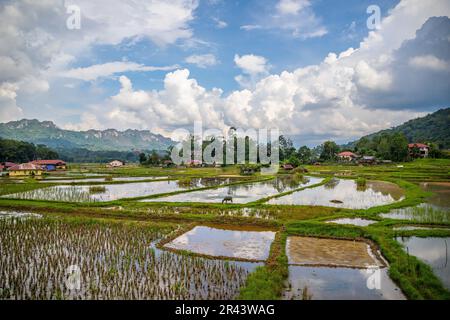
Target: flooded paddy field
column 7, row 214
column 243, row 193
column 433, row 251
column 106, row 261
column 330, row 252
column 342, row 193
column 435, row 210
column 110, row 192
column 105, row 179
column 330, row 283
column 411, row 228
column 424, row 212
column 212, row 241
column 336, row 269
column 353, row 221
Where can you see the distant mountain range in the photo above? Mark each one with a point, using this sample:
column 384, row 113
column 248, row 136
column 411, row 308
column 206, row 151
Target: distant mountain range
column 434, row 127
column 47, row 133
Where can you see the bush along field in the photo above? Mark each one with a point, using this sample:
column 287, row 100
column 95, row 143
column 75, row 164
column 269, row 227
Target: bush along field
column 125, row 232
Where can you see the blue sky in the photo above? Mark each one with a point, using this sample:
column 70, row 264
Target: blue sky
column 308, row 67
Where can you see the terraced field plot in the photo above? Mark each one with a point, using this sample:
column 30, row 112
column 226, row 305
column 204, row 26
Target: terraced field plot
column 342, row 193
column 239, row 244
column 111, row 261
column 330, row 252
column 243, row 193
column 114, row 191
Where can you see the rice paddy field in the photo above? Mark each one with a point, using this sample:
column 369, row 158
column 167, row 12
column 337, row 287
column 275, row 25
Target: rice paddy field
column 209, row 233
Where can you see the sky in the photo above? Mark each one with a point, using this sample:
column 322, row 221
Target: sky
column 315, row 69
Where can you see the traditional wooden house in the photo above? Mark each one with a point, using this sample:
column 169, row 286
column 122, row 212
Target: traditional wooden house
column 367, row 160
column 25, row 169
column 116, row 164
column 6, row 165
column 418, row 150
column 287, row 167
column 347, row 156
column 194, row 163
column 51, row 165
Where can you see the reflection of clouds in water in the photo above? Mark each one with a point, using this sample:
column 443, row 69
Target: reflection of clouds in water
column 345, row 191
column 340, row 283
column 230, row 243
column 431, row 250
column 243, row 193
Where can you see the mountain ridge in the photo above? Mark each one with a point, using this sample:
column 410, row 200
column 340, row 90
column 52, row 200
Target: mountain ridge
column 46, row 132
column 434, row 128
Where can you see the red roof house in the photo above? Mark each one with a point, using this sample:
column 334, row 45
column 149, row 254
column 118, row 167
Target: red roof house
column 25, row 169
column 7, row 164
column 347, row 155
column 423, row 150
column 288, row 166
column 50, row 164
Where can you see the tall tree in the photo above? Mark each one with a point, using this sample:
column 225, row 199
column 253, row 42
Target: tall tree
column 329, row 151
column 304, row 154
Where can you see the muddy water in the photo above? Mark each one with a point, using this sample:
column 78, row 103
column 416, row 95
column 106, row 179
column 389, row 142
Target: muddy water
column 244, row 193
column 326, row 269
column 433, row 251
column 250, row 245
column 327, row 283
column 345, row 194
column 353, row 221
column 330, row 252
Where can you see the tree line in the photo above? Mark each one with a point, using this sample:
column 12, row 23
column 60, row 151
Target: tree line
column 20, row 152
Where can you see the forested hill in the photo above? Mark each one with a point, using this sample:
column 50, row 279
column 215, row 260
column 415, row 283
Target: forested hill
column 434, row 128
column 47, row 133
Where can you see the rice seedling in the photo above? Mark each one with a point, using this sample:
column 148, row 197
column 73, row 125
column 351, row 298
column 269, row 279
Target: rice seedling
column 108, row 179
column 97, row 189
column 423, row 213
column 361, row 182
column 57, row 193
column 115, row 261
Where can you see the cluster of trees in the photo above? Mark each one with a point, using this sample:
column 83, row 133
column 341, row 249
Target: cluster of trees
column 393, row 146
column 387, row 146
column 154, row 158
column 20, row 152
column 81, row 155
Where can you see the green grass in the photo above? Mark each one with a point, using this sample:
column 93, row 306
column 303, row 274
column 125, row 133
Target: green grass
column 414, row 277
column 267, row 282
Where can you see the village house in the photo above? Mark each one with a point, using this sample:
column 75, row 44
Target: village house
column 25, row 169
column 51, row 165
column 418, row 150
column 6, row 165
column 347, row 156
column 368, row 160
column 288, row 167
column 168, row 163
column 194, row 163
column 116, row 164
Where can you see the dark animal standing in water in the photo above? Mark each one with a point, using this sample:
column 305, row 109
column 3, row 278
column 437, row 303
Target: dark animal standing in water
column 227, row 199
